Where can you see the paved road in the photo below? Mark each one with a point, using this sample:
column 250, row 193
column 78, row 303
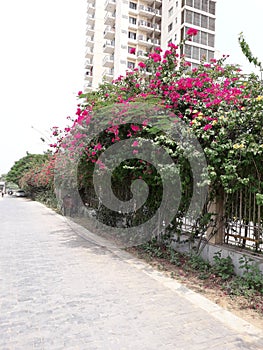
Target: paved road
column 61, row 291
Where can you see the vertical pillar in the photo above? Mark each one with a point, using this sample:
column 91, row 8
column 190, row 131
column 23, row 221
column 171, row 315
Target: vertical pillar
column 216, row 232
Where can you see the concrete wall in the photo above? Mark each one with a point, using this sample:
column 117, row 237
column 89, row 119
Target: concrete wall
column 209, row 251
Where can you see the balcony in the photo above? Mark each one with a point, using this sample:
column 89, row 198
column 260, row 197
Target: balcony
column 89, row 52
column 148, row 42
column 88, row 86
column 149, row 27
column 91, row 9
column 109, row 19
column 90, row 30
column 89, row 75
column 90, row 19
column 133, row 26
column 108, row 61
column 149, row 12
column 90, row 41
column 92, row 2
column 157, row 3
column 109, row 33
column 108, row 75
column 110, row 5
column 109, row 46
column 142, row 54
column 131, row 55
column 88, row 63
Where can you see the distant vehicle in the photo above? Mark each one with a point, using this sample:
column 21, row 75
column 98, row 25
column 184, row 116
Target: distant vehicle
column 20, row 193
column 2, row 186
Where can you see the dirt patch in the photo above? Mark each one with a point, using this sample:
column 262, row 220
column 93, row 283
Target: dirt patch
column 248, row 308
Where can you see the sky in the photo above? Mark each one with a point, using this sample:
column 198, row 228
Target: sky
column 42, row 64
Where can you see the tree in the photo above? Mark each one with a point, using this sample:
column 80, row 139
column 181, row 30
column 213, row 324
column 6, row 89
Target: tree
column 23, row 165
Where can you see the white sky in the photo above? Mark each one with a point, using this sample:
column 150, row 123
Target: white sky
column 42, row 64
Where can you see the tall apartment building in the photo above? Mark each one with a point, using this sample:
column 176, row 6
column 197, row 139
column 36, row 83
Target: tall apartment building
column 121, row 32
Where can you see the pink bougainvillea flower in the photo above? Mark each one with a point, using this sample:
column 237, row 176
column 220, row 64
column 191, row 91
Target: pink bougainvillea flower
column 78, row 135
column 173, row 46
column 155, row 56
column 141, row 64
column 98, row 147
column 80, row 93
column 192, row 32
column 207, row 127
column 135, row 128
column 132, row 50
column 167, row 53
column 78, row 111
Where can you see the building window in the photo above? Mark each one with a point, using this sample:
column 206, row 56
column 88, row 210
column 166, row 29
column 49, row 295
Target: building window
column 203, row 38
column 188, row 16
column 133, row 5
column 212, row 7
column 195, row 53
column 196, row 38
column 170, row 11
column 189, row 3
column 133, row 20
column 197, row 4
column 211, row 23
column 203, row 54
column 132, row 35
column 170, row 27
column 130, row 65
column 211, row 40
column 176, row 4
column 175, row 37
column 205, row 5
column 210, row 55
column 197, row 19
column 187, row 51
column 204, row 21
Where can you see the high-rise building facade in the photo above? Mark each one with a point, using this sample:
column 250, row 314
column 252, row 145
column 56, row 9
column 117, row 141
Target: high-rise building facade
column 120, row 33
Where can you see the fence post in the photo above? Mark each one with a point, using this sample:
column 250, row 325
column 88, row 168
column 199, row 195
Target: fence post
column 216, row 232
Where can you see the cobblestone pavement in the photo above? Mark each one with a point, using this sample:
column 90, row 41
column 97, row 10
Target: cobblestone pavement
column 61, row 287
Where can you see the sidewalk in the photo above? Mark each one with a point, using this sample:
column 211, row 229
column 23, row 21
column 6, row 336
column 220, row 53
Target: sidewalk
column 62, row 287
column 247, row 336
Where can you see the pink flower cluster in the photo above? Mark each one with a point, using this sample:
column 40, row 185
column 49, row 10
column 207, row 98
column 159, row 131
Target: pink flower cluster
column 206, row 88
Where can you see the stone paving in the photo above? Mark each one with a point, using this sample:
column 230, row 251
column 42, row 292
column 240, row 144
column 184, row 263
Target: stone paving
column 62, row 287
